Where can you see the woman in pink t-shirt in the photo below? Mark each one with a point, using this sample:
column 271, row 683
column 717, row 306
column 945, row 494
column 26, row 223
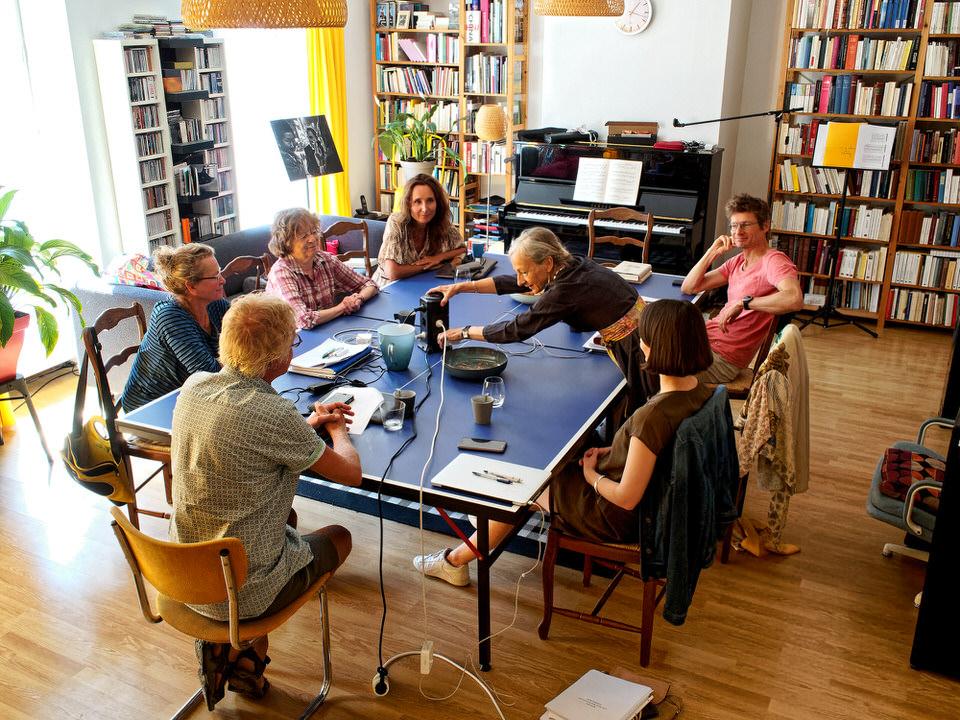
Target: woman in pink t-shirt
column 761, row 283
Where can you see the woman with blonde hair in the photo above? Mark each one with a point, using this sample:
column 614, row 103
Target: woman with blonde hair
column 570, row 289
column 184, row 330
column 314, row 283
column 420, row 236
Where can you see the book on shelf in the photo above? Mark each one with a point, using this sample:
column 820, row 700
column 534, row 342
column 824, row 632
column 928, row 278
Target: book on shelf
column 329, row 358
column 598, row 696
column 634, row 272
column 604, row 180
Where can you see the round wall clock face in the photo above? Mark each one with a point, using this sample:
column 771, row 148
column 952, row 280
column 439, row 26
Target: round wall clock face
column 636, row 17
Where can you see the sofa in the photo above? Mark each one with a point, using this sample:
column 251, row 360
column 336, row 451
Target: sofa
column 97, row 294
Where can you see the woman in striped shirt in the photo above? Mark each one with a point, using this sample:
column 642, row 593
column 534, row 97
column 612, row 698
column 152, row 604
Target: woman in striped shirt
column 314, row 283
column 184, row 330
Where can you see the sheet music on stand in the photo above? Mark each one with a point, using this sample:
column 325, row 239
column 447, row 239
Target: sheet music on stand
column 608, row 181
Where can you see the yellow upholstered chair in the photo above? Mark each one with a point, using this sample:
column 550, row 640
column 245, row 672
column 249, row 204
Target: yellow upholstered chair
column 202, row 573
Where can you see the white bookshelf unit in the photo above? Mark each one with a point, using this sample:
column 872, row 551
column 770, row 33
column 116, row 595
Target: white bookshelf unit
column 131, row 89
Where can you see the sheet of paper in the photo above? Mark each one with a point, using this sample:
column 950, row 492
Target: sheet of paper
column 854, row 145
column 459, row 474
column 365, row 403
column 591, row 180
column 623, row 182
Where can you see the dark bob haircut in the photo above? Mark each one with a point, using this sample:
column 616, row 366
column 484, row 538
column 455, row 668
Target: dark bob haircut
column 677, row 336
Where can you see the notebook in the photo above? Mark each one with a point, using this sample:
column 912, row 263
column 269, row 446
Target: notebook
column 329, row 359
column 459, row 475
column 598, row 696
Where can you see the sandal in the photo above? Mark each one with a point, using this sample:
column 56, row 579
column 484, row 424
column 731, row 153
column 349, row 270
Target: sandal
column 249, row 683
column 213, row 672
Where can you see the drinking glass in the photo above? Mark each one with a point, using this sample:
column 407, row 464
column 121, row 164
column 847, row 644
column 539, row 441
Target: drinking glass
column 493, row 386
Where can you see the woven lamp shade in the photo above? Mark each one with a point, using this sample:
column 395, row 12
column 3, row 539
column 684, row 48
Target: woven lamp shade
column 568, row 8
column 205, row 14
column 491, row 123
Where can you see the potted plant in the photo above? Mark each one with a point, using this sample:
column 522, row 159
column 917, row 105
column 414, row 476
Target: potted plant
column 25, row 266
column 413, row 141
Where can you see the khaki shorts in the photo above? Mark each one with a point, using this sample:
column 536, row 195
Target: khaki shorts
column 722, row 371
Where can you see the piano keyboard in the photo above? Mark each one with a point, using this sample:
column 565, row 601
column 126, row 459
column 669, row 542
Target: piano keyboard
column 658, row 228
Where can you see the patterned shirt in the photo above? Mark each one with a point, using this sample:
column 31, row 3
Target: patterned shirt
column 174, row 347
column 239, row 448
column 318, row 290
column 397, row 247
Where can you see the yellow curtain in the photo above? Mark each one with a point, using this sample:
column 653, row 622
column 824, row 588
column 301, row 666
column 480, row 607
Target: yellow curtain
column 326, row 68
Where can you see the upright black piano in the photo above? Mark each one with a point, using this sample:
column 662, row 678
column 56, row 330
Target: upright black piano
column 680, row 188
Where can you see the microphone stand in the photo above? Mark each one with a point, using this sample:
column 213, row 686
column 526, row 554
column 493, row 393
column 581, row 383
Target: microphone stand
column 777, row 114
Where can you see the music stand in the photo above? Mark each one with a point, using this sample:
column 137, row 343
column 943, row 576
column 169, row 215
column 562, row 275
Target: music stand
column 846, row 147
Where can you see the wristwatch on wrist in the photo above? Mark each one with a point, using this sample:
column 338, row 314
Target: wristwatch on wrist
column 465, row 332
column 745, row 301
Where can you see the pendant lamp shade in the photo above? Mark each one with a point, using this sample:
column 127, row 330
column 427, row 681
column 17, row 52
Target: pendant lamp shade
column 206, row 14
column 491, row 123
column 570, row 8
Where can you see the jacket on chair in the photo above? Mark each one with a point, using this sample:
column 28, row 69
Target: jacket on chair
column 689, row 503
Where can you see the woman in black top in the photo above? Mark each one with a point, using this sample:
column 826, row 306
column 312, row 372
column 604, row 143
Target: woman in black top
column 574, row 290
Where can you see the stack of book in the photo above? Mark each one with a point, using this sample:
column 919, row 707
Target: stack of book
column 598, row 696
column 635, row 272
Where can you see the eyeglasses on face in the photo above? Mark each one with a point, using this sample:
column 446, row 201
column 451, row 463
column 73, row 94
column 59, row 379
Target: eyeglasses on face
column 212, row 277
column 741, row 226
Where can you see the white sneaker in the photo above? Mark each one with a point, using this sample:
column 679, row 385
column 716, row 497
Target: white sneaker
column 438, row 566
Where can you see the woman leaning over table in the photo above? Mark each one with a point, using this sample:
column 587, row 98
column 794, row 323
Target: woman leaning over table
column 599, row 498
column 420, row 236
column 184, row 330
column 315, row 283
column 574, row 290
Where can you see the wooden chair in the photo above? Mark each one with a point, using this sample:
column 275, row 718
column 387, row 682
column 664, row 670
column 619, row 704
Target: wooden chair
column 244, row 264
column 208, row 572
column 123, row 447
column 616, row 557
column 621, row 214
column 347, row 226
column 692, row 444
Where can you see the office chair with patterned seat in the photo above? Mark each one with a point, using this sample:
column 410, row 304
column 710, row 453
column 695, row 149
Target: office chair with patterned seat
column 619, row 214
column 209, row 572
column 703, row 467
column 124, row 447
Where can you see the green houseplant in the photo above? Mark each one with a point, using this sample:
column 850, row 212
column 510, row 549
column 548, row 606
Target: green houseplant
column 413, row 138
column 26, row 267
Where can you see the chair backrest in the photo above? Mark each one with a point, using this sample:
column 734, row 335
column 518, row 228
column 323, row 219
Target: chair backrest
column 194, row 573
column 621, row 214
column 108, row 320
column 258, row 265
column 344, row 227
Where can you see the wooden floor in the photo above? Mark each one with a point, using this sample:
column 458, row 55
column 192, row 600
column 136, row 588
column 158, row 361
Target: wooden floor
column 823, row 634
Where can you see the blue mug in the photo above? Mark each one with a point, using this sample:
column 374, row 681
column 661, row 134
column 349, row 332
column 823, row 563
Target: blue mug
column 396, row 344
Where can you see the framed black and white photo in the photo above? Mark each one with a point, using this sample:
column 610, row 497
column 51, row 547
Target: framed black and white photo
column 306, row 147
column 403, row 19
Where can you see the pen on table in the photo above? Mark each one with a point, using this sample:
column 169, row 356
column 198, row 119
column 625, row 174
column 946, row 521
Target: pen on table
column 328, row 353
column 505, row 479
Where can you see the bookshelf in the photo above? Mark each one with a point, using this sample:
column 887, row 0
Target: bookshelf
column 131, row 89
column 168, row 176
column 882, row 61
column 459, row 67
column 200, row 123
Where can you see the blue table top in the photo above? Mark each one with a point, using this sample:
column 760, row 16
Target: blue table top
column 554, row 394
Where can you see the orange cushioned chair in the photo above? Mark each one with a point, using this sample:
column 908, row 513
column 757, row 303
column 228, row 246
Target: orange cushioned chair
column 202, row 573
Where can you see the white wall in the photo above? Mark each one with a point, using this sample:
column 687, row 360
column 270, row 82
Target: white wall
column 592, row 73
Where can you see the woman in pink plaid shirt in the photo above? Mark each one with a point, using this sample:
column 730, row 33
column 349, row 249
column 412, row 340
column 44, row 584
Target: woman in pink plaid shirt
column 308, row 278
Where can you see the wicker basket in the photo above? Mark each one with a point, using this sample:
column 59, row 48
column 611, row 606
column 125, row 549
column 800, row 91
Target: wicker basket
column 204, row 14
column 568, row 8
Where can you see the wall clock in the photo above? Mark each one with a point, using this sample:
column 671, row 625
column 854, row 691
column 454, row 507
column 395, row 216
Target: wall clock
column 636, row 17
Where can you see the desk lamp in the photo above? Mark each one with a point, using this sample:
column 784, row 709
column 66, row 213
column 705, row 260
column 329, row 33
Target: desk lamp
column 571, row 8
column 490, row 126
column 205, row 14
